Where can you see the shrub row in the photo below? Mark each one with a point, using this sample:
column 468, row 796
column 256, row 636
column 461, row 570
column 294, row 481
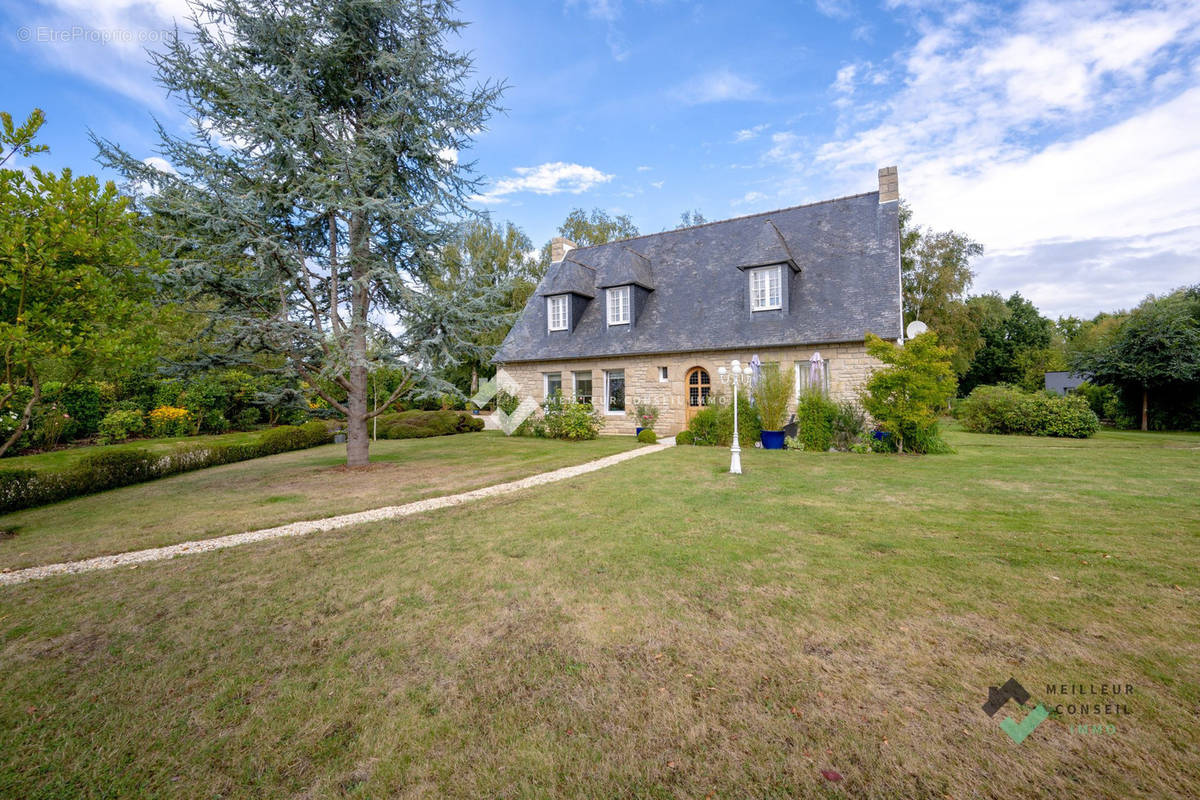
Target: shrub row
column 1006, row 409
column 423, row 424
column 713, row 425
column 98, row 472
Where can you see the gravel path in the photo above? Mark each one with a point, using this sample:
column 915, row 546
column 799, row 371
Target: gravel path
column 319, row 525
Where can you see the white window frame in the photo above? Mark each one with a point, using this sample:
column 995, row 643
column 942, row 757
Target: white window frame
column 608, row 392
column 662, row 375
column 761, row 298
column 575, row 386
column 802, row 368
column 546, row 384
column 617, row 302
column 554, row 303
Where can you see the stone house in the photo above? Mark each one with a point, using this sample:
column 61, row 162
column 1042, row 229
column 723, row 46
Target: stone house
column 650, row 319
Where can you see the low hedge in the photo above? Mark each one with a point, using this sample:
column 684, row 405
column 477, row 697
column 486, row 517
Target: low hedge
column 422, row 424
column 1007, row 409
column 647, row 436
column 101, row 471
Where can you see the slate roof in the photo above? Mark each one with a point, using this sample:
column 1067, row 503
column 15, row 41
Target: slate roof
column 844, row 281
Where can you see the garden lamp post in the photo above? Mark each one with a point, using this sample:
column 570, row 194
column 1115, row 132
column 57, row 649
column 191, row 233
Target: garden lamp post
column 735, row 375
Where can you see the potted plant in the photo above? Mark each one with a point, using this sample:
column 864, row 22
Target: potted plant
column 771, row 397
column 646, row 415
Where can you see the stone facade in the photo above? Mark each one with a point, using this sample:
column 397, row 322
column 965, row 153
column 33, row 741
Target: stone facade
column 849, row 366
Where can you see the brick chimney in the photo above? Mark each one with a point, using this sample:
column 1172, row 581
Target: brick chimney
column 889, row 185
column 560, row 246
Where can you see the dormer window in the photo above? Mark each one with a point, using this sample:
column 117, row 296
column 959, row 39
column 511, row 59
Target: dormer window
column 766, row 288
column 556, row 312
column 618, row 305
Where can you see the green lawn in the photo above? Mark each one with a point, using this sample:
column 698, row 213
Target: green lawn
column 61, row 459
column 261, row 493
column 657, row 629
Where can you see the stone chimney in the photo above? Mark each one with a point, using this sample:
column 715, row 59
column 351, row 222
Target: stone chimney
column 889, row 185
column 560, row 246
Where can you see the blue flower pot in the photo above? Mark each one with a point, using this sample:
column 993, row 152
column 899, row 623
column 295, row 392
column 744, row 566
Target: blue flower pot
column 639, row 430
column 772, row 440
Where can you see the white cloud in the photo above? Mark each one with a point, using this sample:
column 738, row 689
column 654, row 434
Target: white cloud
column 837, row 9
column 1041, row 134
column 749, row 198
column 644, row 168
column 746, row 134
column 557, row 177
column 657, row 184
column 605, row 10
column 715, row 87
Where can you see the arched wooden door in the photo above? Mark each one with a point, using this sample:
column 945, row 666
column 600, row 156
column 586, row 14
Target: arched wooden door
column 696, row 387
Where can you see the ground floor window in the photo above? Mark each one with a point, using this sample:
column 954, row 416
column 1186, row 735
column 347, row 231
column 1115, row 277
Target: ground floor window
column 553, row 383
column 583, row 387
column 810, row 377
column 614, row 391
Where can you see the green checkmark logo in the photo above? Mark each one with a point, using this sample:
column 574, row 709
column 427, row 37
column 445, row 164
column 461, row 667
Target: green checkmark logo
column 1017, row 731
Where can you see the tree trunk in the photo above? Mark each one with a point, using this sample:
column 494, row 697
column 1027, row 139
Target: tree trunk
column 1145, row 409
column 358, row 440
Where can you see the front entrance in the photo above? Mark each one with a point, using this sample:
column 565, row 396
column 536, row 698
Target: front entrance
column 696, row 387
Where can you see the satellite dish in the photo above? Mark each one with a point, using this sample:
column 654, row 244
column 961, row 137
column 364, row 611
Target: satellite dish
column 916, row 328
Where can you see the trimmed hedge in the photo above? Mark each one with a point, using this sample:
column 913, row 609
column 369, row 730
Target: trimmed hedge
column 647, row 436
column 99, row 472
column 423, row 424
column 1006, row 409
column 685, row 437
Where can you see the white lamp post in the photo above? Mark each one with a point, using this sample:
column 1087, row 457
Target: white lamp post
column 735, row 375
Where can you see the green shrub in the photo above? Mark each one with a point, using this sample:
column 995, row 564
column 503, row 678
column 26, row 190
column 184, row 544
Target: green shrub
column 247, row 418
column 424, row 424
column 103, row 470
column 815, row 414
column 566, row 419
column 646, row 415
column 772, row 396
column 705, row 427
column 849, row 425
column 82, row 401
column 906, row 395
column 685, row 437
column 749, row 422
column 647, row 436
column 1009, row 410
column 117, row 426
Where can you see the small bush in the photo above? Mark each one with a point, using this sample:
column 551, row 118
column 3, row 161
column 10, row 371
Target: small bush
column 705, row 427
column 849, row 425
column 1009, row 410
column 170, row 421
column 685, row 437
column 566, row 419
column 117, row 426
column 646, row 415
column 647, row 437
column 82, row 400
column 815, row 415
column 749, row 422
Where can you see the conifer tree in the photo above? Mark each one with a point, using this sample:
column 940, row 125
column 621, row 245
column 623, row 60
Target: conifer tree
column 308, row 207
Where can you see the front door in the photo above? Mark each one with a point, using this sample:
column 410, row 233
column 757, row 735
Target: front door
column 696, row 387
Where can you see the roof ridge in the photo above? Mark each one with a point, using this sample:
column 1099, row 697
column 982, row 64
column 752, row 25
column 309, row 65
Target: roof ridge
column 730, row 219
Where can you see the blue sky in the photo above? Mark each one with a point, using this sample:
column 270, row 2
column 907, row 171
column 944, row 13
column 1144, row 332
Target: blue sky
column 1063, row 135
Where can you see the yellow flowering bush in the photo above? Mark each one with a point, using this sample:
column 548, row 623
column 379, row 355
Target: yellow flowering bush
column 170, row 421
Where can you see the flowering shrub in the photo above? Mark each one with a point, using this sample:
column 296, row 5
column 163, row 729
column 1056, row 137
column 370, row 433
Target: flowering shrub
column 170, row 421
column 646, row 416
